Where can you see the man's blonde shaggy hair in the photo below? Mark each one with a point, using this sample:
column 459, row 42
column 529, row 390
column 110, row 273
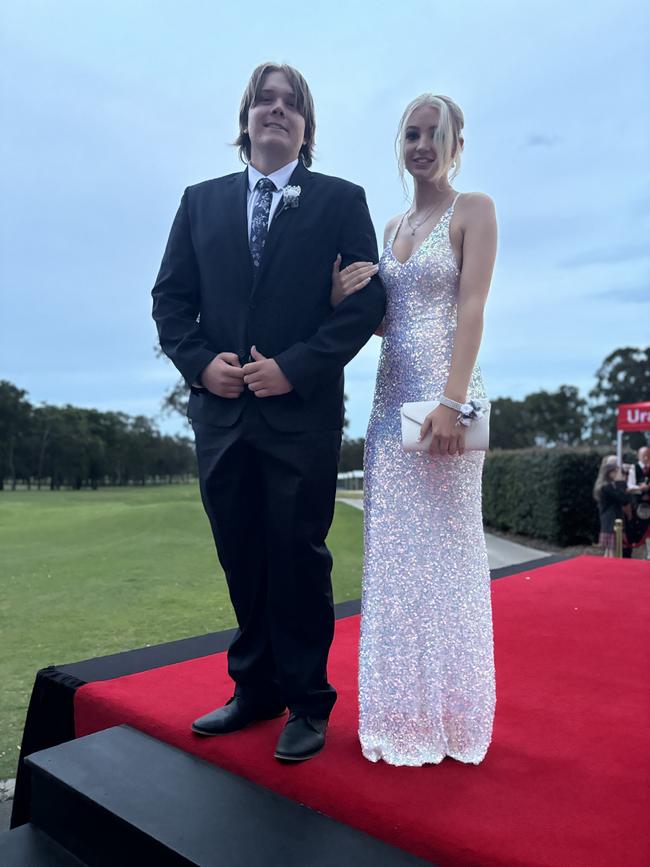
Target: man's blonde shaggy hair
column 304, row 105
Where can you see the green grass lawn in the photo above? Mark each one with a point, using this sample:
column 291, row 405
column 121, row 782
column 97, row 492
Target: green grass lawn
column 83, row 574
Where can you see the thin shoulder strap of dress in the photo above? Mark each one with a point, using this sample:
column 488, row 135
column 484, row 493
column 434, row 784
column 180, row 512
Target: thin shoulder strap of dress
column 399, row 226
column 453, row 204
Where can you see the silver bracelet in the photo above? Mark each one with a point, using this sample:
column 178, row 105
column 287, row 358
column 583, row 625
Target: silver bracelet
column 452, row 404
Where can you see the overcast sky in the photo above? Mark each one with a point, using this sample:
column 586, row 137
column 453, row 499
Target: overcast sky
column 109, row 110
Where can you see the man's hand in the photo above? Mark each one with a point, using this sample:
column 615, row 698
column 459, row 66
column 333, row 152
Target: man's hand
column 264, row 377
column 224, row 376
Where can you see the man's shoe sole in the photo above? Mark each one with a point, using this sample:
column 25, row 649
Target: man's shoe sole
column 283, row 758
column 241, row 728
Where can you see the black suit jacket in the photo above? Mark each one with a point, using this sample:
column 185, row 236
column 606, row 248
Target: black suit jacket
column 209, row 298
column 639, row 475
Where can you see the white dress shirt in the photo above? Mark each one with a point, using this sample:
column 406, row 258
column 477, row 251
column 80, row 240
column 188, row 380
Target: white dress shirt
column 280, row 178
column 631, row 476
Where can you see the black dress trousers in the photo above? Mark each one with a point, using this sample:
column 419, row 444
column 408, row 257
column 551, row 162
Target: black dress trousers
column 269, row 496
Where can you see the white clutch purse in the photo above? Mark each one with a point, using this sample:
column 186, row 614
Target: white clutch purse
column 477, row 433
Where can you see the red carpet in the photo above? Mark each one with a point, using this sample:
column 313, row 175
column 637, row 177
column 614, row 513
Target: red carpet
column 565, row 781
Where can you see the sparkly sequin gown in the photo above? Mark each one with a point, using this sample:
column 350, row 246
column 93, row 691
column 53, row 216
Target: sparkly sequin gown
column 426, row 678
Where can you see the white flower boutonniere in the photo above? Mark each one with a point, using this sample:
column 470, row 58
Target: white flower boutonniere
column 291, row 197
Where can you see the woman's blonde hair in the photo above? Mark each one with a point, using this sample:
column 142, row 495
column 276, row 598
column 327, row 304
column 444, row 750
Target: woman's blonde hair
column 304, row 105
column 447, row 139
column 607, row 467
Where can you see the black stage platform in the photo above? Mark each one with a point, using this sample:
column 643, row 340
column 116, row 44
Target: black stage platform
column 121, row 797
column 50, row 715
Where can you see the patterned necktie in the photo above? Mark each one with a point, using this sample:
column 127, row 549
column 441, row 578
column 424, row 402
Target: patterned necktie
column 260, row 219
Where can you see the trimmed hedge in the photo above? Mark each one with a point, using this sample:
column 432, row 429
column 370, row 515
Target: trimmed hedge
column 543, row 493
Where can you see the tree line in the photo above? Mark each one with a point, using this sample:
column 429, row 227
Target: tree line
column 69, row 446
column 564, row 418
column 73, row 447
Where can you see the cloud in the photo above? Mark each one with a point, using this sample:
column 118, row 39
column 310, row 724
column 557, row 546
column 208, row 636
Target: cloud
column 539, row 140
column 110, row 121
column 636, row 295
column 607, row 255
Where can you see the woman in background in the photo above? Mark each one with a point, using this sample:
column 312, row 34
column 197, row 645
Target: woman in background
column 610, row 494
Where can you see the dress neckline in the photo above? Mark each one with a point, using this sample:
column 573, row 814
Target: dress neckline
column 424, row 240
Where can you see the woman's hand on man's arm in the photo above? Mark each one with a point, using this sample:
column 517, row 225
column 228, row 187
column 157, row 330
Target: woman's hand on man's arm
column 349, row 280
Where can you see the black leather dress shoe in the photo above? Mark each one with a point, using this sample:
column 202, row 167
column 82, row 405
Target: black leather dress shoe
column 302, row 738
column 232, row 717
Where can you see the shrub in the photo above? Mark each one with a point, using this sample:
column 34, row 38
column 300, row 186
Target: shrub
column 543, row 493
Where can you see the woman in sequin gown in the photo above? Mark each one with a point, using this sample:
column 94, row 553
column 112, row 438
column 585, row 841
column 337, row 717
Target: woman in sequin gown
column 426, row 678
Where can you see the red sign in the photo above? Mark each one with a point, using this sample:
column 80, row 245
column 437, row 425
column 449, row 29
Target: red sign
column 633, row 416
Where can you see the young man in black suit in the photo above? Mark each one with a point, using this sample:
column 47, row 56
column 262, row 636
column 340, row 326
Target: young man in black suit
column 242, row 305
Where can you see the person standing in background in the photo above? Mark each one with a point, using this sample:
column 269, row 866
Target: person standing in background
column 611, row 495
column 638, row 484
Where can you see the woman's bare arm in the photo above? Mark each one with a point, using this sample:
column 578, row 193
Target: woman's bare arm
column 479, row 233
column 479, row 252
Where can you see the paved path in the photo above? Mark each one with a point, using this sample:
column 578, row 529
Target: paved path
column 501, row 552
column 6, row 803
